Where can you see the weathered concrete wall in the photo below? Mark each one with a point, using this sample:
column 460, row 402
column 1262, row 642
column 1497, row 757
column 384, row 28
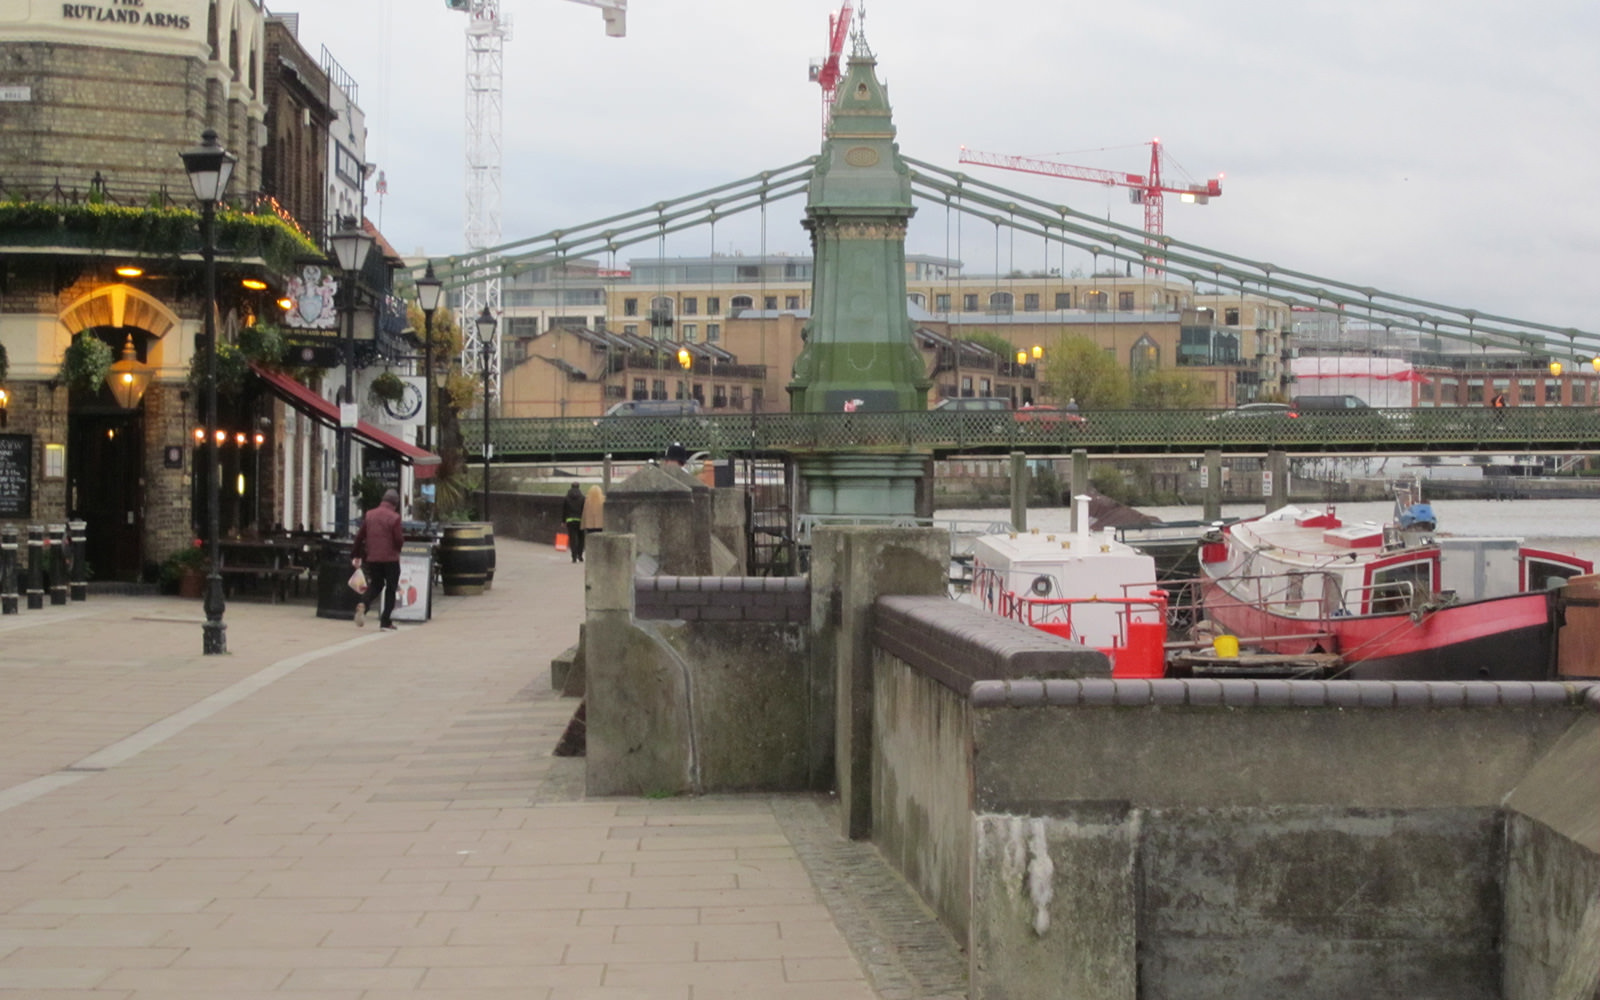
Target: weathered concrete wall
column 691, row 707
column 1317, row 902
column 850, row 568
column 1552, row 878
column 669, row 513
column 922, row 747
column 723, row 598
column 531, row 517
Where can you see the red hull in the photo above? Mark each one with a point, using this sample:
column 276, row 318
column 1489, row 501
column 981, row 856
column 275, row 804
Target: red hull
column 1503, row 638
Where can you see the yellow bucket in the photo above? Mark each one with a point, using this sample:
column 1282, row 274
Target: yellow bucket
column 1226, row 645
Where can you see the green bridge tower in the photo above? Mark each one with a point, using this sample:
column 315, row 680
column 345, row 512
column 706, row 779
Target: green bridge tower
column 859, row 355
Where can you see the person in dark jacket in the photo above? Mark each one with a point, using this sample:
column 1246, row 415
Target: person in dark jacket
column 572, row 517
column 377, row 550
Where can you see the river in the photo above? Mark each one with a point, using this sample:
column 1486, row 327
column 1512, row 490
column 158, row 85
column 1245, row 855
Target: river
column 1569, row 526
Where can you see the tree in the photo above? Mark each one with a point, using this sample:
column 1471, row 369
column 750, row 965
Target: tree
column 1077, row 368
column 1168, row 390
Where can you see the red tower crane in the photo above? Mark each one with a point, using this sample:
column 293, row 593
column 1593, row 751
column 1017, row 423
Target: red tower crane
column 1142, row 188
column 826, row 71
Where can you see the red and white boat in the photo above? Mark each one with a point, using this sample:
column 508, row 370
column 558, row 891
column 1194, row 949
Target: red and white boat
column 1391, row 601
column 1086, row 587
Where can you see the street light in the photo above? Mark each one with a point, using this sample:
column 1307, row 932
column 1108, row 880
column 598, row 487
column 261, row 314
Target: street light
column 429, row 289
column 350, row 246
column 210, row 168
column 485, row 325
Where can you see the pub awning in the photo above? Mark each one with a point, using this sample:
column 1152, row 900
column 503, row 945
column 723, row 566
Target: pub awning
column 314, row 406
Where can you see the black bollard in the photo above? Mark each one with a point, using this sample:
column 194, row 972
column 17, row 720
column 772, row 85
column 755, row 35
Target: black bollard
column 56, row 564
column 78, row 531
column 8, row 570
column 35, row 567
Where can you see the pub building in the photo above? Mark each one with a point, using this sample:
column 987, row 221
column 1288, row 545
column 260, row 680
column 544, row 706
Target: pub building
column 103, row 288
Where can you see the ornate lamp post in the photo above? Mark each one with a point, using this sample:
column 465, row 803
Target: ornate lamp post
column 486, row 324
column 350, row 246
column 429, row 289
column 210, row 168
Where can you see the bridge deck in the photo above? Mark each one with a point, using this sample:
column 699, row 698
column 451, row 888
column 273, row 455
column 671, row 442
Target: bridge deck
column 1147, row 432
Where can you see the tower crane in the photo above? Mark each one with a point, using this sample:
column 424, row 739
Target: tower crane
column 1146, row 189
column 825, row 72
column 487, row 31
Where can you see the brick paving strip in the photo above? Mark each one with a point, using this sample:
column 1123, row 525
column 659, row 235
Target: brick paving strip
column 340, row 816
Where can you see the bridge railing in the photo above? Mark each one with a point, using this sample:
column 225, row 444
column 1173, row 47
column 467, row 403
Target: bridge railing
column 1143, row 431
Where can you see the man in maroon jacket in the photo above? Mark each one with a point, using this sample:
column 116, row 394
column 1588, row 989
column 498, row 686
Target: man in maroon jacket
column 377, row 548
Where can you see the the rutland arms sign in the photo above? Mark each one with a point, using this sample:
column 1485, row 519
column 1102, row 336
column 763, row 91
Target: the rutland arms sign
column 129, row 12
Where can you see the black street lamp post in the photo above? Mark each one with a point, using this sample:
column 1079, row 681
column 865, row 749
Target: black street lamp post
column 428, row 292
column 486, row 324
column 210, row 168
column 350, row 246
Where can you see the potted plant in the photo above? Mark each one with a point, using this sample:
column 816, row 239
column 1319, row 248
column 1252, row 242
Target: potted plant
column 184, row 572
column 85, row 363
column 386, row 387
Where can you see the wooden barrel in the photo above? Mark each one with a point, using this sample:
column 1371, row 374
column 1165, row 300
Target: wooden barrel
column 488, row 536
column 465, row 553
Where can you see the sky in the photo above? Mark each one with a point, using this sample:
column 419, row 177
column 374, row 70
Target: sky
column 1442, row 149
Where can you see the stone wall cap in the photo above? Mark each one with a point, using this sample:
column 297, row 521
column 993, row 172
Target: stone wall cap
column 1208, row 692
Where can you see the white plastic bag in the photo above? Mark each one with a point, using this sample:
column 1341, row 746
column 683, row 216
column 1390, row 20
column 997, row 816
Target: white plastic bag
column 358, row 581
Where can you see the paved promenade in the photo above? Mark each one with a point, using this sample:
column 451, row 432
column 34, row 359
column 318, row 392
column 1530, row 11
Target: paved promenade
column 333, row 813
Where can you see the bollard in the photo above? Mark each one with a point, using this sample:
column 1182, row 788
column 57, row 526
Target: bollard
column 35, row 567
column 56, row 565
column 78, row 532
column 8, row 570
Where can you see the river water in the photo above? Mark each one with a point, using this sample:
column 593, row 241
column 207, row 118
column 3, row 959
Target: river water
column 1568, row 526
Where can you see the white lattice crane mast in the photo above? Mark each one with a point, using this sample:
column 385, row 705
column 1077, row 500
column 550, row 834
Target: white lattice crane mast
column 487, row 31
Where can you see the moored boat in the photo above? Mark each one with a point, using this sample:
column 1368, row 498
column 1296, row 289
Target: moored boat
column 1397, row 600
column 1082, row 586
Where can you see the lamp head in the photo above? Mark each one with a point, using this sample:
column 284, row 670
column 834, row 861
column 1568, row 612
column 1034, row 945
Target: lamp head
column 429, row 289
column 350, row 244
column 485, row 324
column 684, row 359
column 210, row 168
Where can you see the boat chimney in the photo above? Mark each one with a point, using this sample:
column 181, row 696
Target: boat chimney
column 1081, row 503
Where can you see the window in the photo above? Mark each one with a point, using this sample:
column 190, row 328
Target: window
column 736, row 397
column 1063, row 300
column 1525, row 391
column 741, row 302
column 631, row 329
column 918, row 298
column 983, row 387
column 690, row 333
column 747, row 272
column 791, row 302
column 658, row 388
column 1230, row 317
column 1000, row 302
column 699, row 394
column 638, row 389
column 1125, row 302
column 713, row 305
column 1095, row 301
column 966, row 385
column 630, row 307
column 691, row 306
column 683, row 390
column 941, row 303
column 1030, row 302
column 719, row 397
column 770, row 303
column 713, row 332
column 1144, row 358
column 969, row 303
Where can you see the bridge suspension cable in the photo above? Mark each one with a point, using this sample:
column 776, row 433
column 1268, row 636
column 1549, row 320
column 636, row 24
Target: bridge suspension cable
column 1233, row 273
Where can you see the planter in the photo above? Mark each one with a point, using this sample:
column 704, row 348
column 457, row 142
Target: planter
column 192, row 584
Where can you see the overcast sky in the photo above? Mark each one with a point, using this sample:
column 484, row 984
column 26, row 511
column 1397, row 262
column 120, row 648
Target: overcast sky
column 1444, row 149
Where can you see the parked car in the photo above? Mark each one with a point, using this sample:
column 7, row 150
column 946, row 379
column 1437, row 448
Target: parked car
column 654, row 408
column 965, row 403
column 1331, row 404
column 1258, row 411
column 1047, row 416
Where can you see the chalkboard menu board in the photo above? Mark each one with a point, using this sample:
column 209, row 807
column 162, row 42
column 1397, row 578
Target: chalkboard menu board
column 382, row 466
column 16, row 475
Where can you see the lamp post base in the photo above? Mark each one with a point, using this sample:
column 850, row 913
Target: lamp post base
column 215, row 632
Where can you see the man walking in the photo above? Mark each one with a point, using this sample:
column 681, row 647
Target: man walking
column 572, row 517
column 377, row 550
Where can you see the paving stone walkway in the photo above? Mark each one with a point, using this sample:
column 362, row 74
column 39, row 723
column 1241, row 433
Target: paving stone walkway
column 334, row 813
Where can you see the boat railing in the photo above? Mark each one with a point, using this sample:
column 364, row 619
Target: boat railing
column 1288, row 595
